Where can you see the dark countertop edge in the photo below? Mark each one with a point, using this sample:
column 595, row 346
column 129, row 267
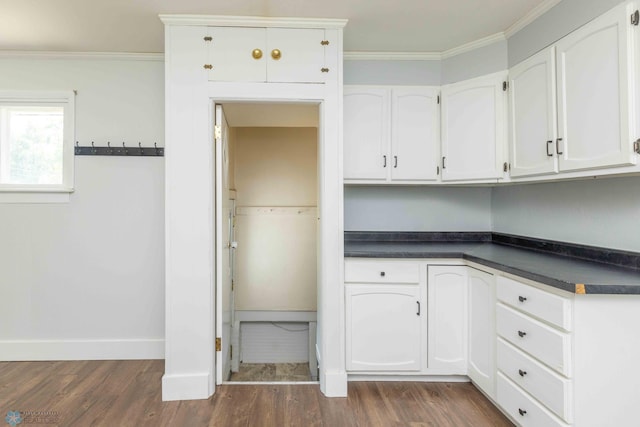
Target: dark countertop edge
column 614, row 257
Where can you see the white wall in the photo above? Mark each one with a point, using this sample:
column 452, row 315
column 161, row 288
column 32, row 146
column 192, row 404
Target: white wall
column 394, row 208
column 478, row 62
column 85, row 279
column 601, row 212
column 392, row 72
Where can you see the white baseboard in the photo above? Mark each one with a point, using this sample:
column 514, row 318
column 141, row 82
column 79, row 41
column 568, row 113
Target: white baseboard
column 333, row 384
column 32, row 350
column 411, row 378
column 185, row 387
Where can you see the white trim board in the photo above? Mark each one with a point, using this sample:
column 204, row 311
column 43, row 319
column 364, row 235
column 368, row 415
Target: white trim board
column 251, row 21
column 32, row 350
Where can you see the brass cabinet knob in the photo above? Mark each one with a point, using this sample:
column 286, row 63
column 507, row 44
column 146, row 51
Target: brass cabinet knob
column 276, row 54
column 257, row 54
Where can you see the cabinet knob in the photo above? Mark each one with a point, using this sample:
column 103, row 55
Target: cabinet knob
column 522, row 412
column 276, row 54
column 256, row 54
column 382, row 273
column 522, row 299
column 522, row 373
column 521, row 334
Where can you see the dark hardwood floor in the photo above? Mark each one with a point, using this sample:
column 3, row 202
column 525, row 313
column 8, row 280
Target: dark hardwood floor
column 128, row 393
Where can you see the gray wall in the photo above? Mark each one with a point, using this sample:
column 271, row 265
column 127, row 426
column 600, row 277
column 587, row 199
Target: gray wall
column 392, row 73
column 417, row 208
column 599, row 212
column 485, row 60
column 559, row 21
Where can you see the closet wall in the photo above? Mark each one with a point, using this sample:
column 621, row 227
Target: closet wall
column 276, row 220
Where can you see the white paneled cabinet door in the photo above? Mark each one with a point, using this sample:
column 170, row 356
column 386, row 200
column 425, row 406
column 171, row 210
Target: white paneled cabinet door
column 383, row 327
column 595, row 79
column 366, row 133
column 301, row 55
column 231, row 57
column 482, row 330
column 447, row 301
column 414, row 134
column 473, row 128
column 532, row 113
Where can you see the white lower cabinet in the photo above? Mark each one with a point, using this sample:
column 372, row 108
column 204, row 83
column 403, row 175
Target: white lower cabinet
column 384, row 316
column 447, row 302
column 481, row 365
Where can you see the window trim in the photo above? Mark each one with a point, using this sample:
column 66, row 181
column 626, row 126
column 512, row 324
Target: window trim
column 25, row 193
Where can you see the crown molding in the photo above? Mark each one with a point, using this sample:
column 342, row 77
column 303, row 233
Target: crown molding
column 476, row 44
column 113, row 56
column 534, row 14
column 391, row 56
column 252, row 21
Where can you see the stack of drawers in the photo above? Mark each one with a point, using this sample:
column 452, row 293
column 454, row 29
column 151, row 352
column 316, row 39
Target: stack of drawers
column 534, row 354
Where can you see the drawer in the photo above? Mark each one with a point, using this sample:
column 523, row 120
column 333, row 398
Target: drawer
column 552, row 390
column 548, row 345
column 365, row 271
column 546, row 306
column 523, row 408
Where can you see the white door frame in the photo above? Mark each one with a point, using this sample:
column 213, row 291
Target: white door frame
column 330, row 346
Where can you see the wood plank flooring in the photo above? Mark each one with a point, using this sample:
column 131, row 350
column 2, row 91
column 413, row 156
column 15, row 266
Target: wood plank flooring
column 128, row 393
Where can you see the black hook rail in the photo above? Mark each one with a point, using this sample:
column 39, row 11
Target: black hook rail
column 92, row 150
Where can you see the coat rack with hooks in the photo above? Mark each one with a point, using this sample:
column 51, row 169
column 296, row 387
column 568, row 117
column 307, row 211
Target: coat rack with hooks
column 92, row 150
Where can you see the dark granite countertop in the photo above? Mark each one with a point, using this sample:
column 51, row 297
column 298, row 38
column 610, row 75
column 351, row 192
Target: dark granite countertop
column 553, row 268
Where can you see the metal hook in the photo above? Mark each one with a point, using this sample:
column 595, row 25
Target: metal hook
column 156, row 147
column 93, row 148
column 77, row 147
column 109, row 150
column 125, row 148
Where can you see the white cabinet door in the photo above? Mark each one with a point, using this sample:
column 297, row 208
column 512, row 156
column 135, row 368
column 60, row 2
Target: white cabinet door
column 415, row 134
column 301, row 57
column 594, row 77
column 473, row 128
column 532, row 113
column 366, row 133
column 383, row 327
column 482, row 330
column 230, row 54
column 447, row 300
column 285, row 55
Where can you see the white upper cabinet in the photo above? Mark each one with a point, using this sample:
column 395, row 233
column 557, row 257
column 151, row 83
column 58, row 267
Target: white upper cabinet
column 532, row 114
column 414, row 134
column 473, row 128
column 595, row 79
column 266, row 55
column 366, row 133
column 391, row 134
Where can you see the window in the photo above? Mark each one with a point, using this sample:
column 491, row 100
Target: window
column 36, row 141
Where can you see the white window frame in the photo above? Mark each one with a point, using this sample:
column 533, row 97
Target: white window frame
column 38, row 193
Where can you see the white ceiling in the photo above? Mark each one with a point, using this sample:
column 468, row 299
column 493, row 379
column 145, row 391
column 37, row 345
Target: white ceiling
column 374, row 25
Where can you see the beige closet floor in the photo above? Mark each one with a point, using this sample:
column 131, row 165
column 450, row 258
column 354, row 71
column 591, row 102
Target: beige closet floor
column 272, row 372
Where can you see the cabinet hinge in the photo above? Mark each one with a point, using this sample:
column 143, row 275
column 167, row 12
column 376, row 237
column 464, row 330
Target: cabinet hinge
column 324, row 42
column 636, row 146
column 217, row 132
column 208, row 38
column 232, row 284
column 218, row 344
column 208, row 67
column 324, row 70
column 230, row 352
column 505, row 86
column 635, row 18
column 438, row 99
column 437, row 170
column 505, row 167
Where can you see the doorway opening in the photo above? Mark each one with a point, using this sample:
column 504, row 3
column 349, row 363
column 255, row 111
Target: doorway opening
column 266, row 241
